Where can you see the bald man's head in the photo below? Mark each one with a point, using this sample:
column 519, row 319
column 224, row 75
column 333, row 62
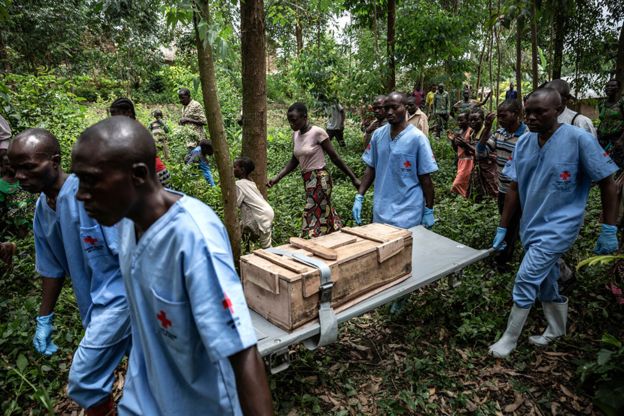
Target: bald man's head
column 542, row 108
column 549, row 96
column 118, row 141
column 399, row 96
column 394, row 106
column 41, row 139
column 115, row 163
column 562, row 87
column 35, row 156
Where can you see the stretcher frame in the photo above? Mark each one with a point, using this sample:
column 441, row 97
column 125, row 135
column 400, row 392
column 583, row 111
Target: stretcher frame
column 433, row 257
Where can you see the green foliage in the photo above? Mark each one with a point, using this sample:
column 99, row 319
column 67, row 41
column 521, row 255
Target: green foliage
column 46, row 101
column 605, row 375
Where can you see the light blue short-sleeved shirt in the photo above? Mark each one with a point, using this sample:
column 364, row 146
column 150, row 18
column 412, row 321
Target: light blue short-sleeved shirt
column 188, row 315
column 70, row 243
column 553, row 184
column 398, row 198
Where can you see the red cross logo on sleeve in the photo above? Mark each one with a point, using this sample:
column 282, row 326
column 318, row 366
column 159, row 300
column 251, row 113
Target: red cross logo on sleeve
column 227, row 304
column 90, row 240
column 407, row 164
column 162, row 317
column 368, row 146
column 565, row 175
column 606, row 154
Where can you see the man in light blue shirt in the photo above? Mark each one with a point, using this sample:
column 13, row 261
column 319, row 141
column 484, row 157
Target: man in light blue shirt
column 194, row 350
column 551, row 170
column 70, row 243
column 399, row 159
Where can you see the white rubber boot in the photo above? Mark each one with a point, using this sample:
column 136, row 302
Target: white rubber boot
column 557, row 318
column 507, row 343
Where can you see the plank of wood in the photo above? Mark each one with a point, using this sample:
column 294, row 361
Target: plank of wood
column 363, row 234
column 335, row 240
column 282, row 261
column 312, row 247
column 389, row 249
column 260, row 277
column 367, row 295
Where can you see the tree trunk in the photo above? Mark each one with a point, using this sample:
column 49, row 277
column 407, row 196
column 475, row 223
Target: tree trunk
column 534, row 44
column 375, row 29
column 485, row 43
column 253, row 55
column 619, row 63
column 298, row 35
column 519, row 27
column 498, row 62
column 217, row 130
column 391, row 80
column 559, row 38
column 490, row 55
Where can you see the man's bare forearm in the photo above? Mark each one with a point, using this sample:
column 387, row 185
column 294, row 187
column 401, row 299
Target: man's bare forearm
column 51, row 290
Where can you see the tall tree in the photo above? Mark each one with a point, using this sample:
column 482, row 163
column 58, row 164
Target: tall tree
column 559, row 27
column 391, row 75
column 534, row 67
column 253, row 59
column 619, row 60
column 519, row 29
column 215, row 123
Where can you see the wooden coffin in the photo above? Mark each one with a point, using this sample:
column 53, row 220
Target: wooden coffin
column 363, row 261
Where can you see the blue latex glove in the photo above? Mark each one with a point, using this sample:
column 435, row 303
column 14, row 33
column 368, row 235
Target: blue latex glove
column 357, row 209
column 427, row 219
column 499, row 239
column 43, row 335
column 607, row 240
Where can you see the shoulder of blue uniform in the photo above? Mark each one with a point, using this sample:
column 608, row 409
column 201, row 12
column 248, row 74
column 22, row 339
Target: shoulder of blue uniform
column 199, row 214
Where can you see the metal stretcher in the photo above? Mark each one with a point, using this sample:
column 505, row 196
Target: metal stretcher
column 433, row 257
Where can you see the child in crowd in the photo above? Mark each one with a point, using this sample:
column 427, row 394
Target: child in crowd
column 159, row 131
column 200, row 154
column 465, row 153
column 256, row 213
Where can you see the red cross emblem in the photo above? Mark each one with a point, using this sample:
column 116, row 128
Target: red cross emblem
column 606, row 154
column 368, row 146
column 90, row 240
column 565, row 175
column 227, row 304
column 510, row 158
column 162, row 317
column 407, row 164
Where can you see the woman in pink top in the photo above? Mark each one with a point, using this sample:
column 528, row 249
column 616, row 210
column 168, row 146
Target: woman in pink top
column 310, row 146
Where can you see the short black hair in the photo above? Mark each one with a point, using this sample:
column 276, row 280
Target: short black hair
column 512, row 105
column 206, row 147
column 184, row 91
column 246, row 163
column 479, row 111
column 300, row 108
column 157, row 113
column 124, row 104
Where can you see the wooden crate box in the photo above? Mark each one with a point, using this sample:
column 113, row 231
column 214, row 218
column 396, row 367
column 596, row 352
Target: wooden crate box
column 363, row 260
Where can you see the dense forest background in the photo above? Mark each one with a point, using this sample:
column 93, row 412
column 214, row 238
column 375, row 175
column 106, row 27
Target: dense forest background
column 62, row 62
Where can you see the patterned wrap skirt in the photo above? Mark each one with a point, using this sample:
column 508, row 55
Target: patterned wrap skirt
column 319, row 216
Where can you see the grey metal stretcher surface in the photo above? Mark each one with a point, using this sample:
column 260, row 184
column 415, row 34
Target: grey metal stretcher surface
column 433, row 257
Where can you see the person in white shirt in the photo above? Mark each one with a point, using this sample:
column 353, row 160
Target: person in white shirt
column 256, row 213
column 570, row 116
